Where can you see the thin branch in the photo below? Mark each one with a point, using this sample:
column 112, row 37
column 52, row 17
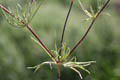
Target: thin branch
column 93, row 21
column 43, row 45
column 30, row 29
column 66, row 20
column 6, row 10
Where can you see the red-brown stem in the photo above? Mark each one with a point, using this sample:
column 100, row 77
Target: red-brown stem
column 66, row 20
column 43, row 45
column 93, row 21
column 30, row 29
column 58, row 73
column 6, row 10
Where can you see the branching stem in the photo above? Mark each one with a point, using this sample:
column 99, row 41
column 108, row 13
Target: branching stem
column 93, row 21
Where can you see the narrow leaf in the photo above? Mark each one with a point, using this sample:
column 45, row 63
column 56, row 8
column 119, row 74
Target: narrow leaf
column 76, row 72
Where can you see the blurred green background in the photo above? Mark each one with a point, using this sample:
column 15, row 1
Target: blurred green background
column 18, row 51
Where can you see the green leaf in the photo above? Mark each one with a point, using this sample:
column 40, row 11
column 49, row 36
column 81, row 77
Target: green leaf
column 81, row 67
column 94, row 4
column 39, row 66
column 35, row 8
column 73, row 59
column 41, row 47
column 85, row 10
column 76, row 72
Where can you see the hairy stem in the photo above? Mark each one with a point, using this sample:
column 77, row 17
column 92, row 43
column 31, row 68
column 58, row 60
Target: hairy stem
column 66, row 20
column 93, row 21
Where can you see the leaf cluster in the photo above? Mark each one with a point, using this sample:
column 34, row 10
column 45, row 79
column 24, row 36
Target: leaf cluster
column 22, row 14
column 64, row 61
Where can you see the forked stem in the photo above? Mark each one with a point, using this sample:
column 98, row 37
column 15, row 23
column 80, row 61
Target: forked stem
column 63, row 33
column 93, row 21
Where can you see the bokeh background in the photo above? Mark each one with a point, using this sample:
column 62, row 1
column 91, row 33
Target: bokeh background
column 18, row 51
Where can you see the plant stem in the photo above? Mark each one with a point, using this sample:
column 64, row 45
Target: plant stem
column 43, row 45
column 6, row 10
column 66, row 20
column 93, row 21
column 30, row 29
column 58, row 73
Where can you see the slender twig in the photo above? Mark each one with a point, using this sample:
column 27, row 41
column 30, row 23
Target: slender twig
column 30, row 29
column 66, row 20
column 43, row 45
column 6, row 10
column 93, row 21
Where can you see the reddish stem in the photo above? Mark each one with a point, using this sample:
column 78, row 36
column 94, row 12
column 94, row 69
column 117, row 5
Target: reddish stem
column 58, row 74
column 30, row 29
column 36, row 36
column 93, row 21
column 6, row 10
column 66, row 20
